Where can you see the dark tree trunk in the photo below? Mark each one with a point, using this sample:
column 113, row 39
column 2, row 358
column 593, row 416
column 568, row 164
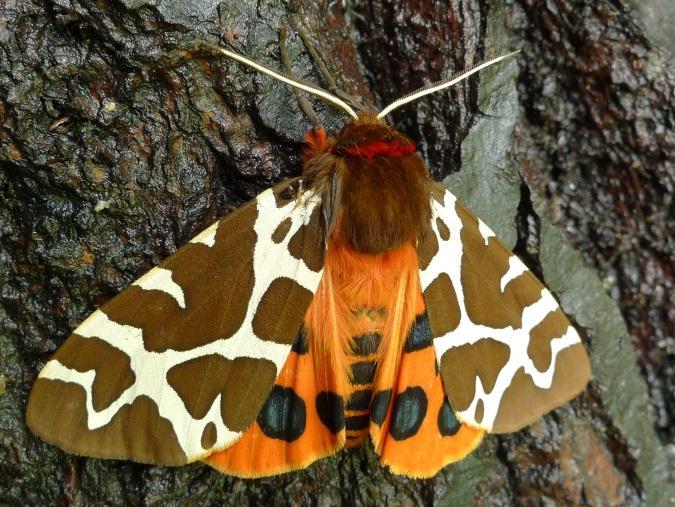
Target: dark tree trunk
column 119, row 141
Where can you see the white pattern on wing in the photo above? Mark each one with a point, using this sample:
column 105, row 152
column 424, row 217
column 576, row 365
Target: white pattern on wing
column 207, row 236
column 485, row 231
column 448, row 260
column 270, row 261
column 160, row 279
column 516, row 268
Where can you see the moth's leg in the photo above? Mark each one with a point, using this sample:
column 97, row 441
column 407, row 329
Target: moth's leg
column 327, row 76
column 304, row 104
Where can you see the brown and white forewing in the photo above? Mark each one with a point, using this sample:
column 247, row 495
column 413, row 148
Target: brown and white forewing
column 180, row 363
column 506, row 351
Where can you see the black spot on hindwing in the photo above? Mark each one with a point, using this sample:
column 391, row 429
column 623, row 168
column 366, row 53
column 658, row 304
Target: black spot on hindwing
column 300, row 345
column 283, row 415
column 448, row 424
column 420, row 334
column 410, row 407
column 331, row 410
column 380, row 406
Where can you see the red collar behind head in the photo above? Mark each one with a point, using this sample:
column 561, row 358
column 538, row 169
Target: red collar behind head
column 377, row 148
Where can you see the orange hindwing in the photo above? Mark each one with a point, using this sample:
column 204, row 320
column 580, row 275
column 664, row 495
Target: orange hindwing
column 300, row 422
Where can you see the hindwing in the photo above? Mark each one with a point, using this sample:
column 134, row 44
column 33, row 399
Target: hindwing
column 180, row 363
column 300, row 422
column 413, row 427
column 507, row 353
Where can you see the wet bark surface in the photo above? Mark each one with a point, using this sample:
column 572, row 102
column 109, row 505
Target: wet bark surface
column 120, row 140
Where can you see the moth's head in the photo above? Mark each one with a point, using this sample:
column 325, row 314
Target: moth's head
column 361, row 139
column 368, row 137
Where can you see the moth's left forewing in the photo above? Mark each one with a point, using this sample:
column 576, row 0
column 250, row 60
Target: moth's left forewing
column 179, row 364
column 506, row 351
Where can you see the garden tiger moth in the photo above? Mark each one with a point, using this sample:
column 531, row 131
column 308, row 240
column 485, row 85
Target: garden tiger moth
column 360, row 299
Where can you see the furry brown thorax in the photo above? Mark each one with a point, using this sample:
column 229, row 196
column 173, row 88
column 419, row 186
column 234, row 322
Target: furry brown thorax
column 373, row 184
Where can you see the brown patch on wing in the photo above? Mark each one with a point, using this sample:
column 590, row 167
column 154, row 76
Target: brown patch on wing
column 113, row 374
column 282, row 229
column 482, row 269
column 480, row 411
column 281, row 310
column 553, row 326
column 523, row 402
column 427, row 248
column 136, row 432
column 523, row 290
column 461, row 365
column 167, row 326
column 307, row 243
column 441, row 302
column 243, row 384
column 209, row 436
column 443, row 230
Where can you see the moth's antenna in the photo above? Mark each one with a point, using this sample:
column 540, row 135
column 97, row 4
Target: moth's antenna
column 281, row 77
column 434, row 87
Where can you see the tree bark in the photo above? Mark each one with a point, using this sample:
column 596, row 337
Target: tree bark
column 120, row 140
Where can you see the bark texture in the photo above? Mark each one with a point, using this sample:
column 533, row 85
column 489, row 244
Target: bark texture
column 119, row 141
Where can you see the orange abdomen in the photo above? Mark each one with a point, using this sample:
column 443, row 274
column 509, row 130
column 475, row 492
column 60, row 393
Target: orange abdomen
column 358, row 322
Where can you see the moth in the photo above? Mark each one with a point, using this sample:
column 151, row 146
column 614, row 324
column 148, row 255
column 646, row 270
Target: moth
column 358, row 300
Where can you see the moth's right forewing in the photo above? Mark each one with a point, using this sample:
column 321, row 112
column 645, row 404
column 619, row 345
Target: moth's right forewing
column 506, row 352
column 179, row 364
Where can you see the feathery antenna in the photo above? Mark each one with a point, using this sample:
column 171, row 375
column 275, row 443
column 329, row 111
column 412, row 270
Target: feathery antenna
column 440, row 85
column 284, row 78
